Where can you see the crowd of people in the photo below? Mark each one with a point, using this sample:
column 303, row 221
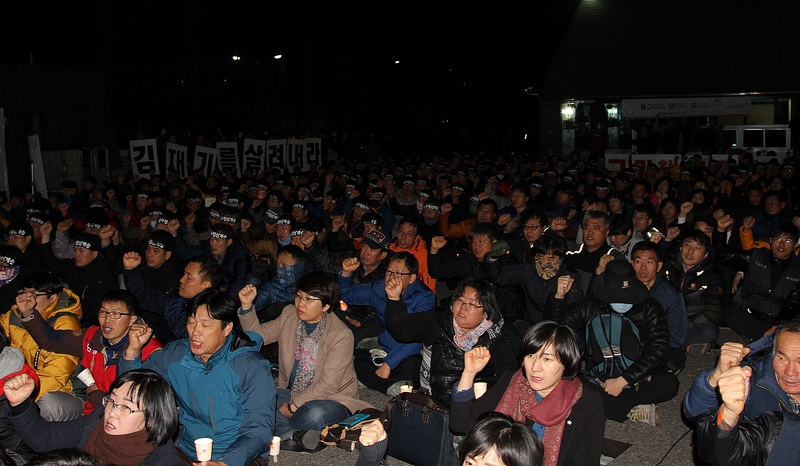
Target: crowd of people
column 242, row 307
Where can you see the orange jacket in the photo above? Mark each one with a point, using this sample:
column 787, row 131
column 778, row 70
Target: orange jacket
column 420, row 250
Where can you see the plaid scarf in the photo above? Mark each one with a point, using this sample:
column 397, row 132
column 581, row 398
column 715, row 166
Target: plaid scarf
column 305, row 353
column 466, row 339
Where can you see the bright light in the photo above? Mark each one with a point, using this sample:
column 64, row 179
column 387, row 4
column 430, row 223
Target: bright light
column 278, row 57
column 236, row 58
column 397, row 62
column 568, row 111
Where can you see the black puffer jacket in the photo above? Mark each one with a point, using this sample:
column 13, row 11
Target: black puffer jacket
column 435, row 329
column 769, row 439
column 768, row 281
column 702, row 287
column 648, row 316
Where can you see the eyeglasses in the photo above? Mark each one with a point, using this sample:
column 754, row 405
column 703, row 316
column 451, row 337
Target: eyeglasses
column 469, row 306
column 114, row 315
column 392, row 273
column 305, row 299
column 35, row 295
column 782, row 239
column 531, row 227
column 123, row 410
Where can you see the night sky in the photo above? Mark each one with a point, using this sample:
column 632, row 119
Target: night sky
column 167, row 64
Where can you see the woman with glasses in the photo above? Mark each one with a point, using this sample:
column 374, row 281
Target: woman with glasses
column 133, row 426
column 544, row 393
column 471, row 319
column 317, row 383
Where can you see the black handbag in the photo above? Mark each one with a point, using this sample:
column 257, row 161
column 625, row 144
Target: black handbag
column 419, row 430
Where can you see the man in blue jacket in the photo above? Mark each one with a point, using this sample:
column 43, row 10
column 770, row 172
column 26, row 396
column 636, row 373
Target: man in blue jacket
column 397, row 363
column 777, row 374
column 224, row 387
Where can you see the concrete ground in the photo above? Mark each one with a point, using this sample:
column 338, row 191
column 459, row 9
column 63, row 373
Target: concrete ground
column 668, row 444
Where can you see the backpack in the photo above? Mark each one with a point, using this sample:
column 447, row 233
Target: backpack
column 612, row 346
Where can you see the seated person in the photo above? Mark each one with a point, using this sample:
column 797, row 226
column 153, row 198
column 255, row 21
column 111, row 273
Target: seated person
column 228, row 252
column 317, row 381
column 89, row 274
column 724, row 438
column 99, row 346
column 134, row 425
column 538, row 278
column 471, row 319
column 585, row 259
column 12, row 363
column 629, row 386
column 222, row 383
column 495, row 440
column 692, row 273
column 11, row 276
column 290, row 265
column 43, row 294
column 621, row 235
column 774, row 360
column 545, row 394
column 397, row 363
column 646, row 264
column 767, row 279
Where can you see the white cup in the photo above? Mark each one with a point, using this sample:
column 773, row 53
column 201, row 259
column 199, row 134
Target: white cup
column 203, row 448
column 406, row 388
column 479, row 388
column 86, row 377
column 275, row 446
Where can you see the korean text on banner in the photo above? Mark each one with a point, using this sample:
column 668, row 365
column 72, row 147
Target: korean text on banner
column 205, row 159
column 144, row 158
column 253, row 155
column 176, row 159
column 229, row 157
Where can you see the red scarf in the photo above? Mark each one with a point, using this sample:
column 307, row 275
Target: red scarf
column 519, row 402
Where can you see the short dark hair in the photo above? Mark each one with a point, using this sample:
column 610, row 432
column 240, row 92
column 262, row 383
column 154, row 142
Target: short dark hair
column 647, row 246
column 293, row 250
column 413, row 221
column 515, row 443
column 489, row 202
column 43, row 282
column 785, row 228
column 791, row 326
column 523, row 188
column 64, row 457
column 548, row 244
column 486, row 296
column 220, row 306
column 411, row 262
column 779, row 195
column 700, row 237
column 320, row 285
column 561, row 338
column 210, row 269
column 157, row 398
column 619, row 224
column 643, row 209
column 533, row 213
column 486, row 229
column 124, row 297
column 670, row 200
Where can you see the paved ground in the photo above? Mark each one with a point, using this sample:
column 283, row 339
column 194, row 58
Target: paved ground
column 668, row 444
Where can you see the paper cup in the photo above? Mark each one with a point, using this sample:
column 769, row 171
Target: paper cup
column 275, row 446
column 86, row 377
column 406, row 388
column 479, row 388
column 203, row 448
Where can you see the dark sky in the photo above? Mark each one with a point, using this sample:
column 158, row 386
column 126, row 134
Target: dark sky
column 168, row 63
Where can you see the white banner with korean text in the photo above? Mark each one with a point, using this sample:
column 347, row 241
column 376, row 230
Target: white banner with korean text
column 685, row 107
column 144, row 158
